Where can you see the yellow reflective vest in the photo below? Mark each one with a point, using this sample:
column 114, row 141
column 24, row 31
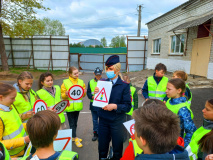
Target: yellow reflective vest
column 13, row 127
column 193, row 146
column 157, row 91
column 92, row 84
column 136, row 148
column 132, row 90
column 50, row 100
column 65, row 155
column 75, row 105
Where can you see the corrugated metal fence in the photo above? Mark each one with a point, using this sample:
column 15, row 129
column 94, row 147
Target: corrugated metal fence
column 40, row 52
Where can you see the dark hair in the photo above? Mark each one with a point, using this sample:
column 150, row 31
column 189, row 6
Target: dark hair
column 71, row 69
column 24, row 75
column 154, row 101
column 206, row 143
column 210, row 102
column 42, row 78
column 181, row 74
column 42, row 128
column 160, row 66
column 6, row 89
column 178, row 84
column 159, row 126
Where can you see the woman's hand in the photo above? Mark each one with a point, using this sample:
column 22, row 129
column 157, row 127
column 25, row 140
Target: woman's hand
column 209, row 157
column 96, row 90
column 110, row 107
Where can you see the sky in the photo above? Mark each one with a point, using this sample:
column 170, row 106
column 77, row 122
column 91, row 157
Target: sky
column 95, row 19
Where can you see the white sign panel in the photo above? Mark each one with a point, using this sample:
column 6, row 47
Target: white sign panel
column 130, row 126
column 63, row 141
column 101, row 99
column 39, row 105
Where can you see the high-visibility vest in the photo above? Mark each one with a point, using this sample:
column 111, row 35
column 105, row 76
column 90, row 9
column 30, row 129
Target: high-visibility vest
column 136, row 148
column 23, row 106
column 193, row 146
column 75, row 105
column 13, row 128
column 189, row 100
column 176, row 107
column 5, row 152
column 92, row 84
column 65, row 155
column 157, row 91
column 50, row 100
column 132, row 90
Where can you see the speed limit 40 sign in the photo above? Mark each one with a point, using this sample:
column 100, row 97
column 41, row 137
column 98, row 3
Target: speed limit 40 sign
column 76, row 92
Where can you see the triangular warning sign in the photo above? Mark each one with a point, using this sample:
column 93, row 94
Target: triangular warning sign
column 101, row 97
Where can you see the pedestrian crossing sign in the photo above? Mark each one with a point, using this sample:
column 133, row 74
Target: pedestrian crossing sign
column 101, row 97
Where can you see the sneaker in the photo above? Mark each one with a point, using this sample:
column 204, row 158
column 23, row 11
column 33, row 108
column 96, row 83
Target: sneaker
column 95, row 136
column 78, row 143
column 80, row 140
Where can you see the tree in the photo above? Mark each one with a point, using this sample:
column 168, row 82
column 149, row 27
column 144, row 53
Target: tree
column 18, row 18
column 104, row 41
column 79, row 45
column 53, row 27
column 118, row 42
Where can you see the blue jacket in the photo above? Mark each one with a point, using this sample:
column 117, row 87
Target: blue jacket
column 89, row 95
column 145, row 87
column 186, row 123
column 178, row 153
column 188, row 93
column 120, row 95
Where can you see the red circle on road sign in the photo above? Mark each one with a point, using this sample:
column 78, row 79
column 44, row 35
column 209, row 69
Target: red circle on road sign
column 132, row 129
column 37, row 101
column 72, row 88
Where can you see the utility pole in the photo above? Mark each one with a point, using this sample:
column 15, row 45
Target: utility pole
column 139, row 21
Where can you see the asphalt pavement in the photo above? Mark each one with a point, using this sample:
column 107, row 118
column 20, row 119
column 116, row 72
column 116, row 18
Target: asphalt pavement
column 89, row 151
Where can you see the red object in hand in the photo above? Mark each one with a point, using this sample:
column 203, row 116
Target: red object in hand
column 180, row 141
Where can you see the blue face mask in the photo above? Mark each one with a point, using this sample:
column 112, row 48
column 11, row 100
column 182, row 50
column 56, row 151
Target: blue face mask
column 110, row 74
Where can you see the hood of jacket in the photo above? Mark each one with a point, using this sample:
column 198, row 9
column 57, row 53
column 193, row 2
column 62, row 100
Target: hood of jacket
column 178, row 153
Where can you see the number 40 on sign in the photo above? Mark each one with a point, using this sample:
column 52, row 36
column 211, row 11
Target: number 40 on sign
column 76, row 92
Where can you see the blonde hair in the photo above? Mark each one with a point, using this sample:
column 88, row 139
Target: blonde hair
column 117, row 67
column 71, row 69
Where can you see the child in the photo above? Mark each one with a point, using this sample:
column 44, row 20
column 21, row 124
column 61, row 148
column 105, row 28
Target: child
column 12, row 132
column 155, row 86
column 4, row 154
column 43, row 129
column 182, row 75
column 133, row 149
column 90, row 94
column 49, row 93
column 26, row 97
column 202, row 139
column 178, row 104
column 156, row 132
column 75, row 106
column 134, row 97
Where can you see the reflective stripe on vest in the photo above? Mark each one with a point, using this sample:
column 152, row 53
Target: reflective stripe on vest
column 92, row 84
column 132, row 90
column 65, row 155
column 175, row 108
column 13, row 128
column 75, row 105
column 193, row 146
column 50, row 100
column 157, row 91
column 23, row 106
column 136, row 148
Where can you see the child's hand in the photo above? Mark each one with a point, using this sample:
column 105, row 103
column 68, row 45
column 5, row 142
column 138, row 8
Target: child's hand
column 92, row 97
column 85, row 91
column 96, row 90
column 146, row 99
column 110, row 107
column 209, row 157
column 28, row 115
column 27, row 139
column 66, row 93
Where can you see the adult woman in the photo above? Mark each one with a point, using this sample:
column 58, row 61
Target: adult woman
column 112, row 116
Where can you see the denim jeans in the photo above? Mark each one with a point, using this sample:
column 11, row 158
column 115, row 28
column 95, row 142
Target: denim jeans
column 95, row 120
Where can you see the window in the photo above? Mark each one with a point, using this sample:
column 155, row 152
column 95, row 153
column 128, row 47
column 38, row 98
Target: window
column 156, row 46
column 177, row 44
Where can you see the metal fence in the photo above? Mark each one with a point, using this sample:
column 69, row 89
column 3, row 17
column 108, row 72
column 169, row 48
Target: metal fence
column 87, row 62
column 40, row 52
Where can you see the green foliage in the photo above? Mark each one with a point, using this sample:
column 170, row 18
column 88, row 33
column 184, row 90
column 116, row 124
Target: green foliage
column 104, row 41
column 18, row 17
column 52, row 27
column 99, row 46
column 79, row 45
column 118, row 41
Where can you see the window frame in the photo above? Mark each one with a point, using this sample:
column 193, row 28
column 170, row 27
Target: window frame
column 159, row 46
column 175, row 45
